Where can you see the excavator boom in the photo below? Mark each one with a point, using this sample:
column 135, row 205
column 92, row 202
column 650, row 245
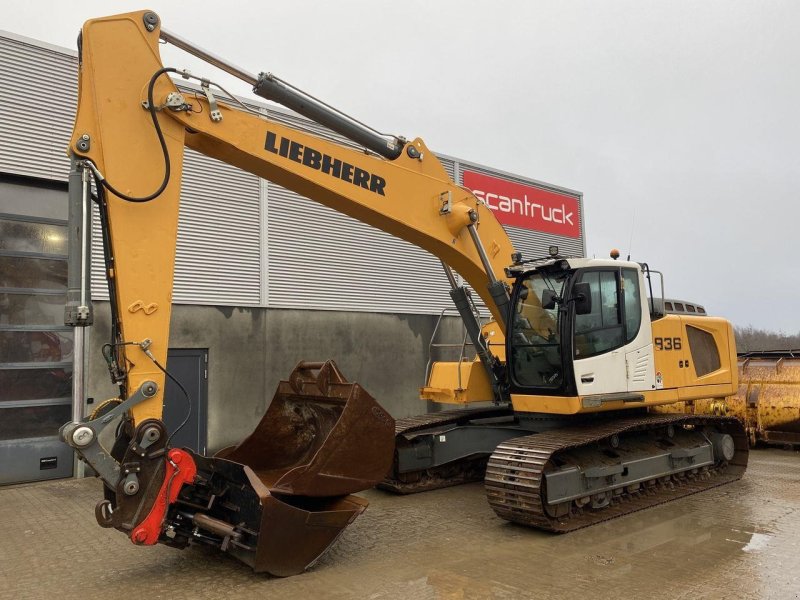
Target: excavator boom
column 289, row 484
column 411, row 197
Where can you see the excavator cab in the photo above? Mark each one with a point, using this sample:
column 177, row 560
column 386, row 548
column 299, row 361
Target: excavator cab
column 574, row 323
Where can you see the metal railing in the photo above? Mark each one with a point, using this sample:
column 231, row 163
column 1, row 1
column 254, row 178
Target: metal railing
column 434, row 345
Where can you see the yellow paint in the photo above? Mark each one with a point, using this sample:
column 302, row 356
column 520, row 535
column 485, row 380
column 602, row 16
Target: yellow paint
column 668, row 362
column 573, row 405
column 147, row 309
column 495, row 339
column 119, row 56
column 457, row 383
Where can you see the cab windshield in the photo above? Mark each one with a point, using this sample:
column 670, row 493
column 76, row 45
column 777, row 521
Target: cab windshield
column 535, row 340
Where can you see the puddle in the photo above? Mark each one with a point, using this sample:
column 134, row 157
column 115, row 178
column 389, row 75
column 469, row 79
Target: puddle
column 758, row 541
column 753, row 541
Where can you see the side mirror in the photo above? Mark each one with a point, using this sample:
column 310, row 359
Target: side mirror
column 548, row 299
column 582, row 294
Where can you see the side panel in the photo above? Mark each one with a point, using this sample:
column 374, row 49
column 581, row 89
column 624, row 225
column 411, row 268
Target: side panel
column 640, row 359
column 458, row 383
column 692, row 351
column 711, row 350
column 671, row 351
column 639, row 368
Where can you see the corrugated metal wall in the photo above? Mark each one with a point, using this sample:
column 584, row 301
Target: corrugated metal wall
column 241, row 241
column 218, row 259
column 38, row 98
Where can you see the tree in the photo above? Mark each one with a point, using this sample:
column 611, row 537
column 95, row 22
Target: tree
column 751, row 339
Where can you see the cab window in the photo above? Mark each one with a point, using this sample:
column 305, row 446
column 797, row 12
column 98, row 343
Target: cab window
column 535, row 340
column 616, row 312
column 602, row 329
column 632, row 302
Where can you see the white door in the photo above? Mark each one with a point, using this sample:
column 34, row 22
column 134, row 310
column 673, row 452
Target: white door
column 602, row 374
column 599, row 339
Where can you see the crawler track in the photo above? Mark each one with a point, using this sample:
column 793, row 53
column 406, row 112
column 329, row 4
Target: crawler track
column 464, row 471
column 516, row 483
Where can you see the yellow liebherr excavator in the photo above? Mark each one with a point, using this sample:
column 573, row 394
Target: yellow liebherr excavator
column 567, row 370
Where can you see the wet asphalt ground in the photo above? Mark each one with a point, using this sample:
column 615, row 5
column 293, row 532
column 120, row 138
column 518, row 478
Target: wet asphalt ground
column 736, row 541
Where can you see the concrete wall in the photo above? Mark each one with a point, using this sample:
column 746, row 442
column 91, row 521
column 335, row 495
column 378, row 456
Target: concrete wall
column 251, row 349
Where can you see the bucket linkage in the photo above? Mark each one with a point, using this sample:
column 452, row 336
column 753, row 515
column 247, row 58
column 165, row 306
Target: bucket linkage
column 278, row 499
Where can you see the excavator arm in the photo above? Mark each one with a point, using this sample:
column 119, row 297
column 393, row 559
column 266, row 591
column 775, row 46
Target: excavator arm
column 410, row 196
column 279, row 498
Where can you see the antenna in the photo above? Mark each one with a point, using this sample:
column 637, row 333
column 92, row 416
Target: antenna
column 633, row 225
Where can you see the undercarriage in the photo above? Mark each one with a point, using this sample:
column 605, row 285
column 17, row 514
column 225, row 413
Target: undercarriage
column 563, row 474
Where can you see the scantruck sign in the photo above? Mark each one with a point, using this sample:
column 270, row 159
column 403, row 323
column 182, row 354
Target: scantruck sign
column 519, row 205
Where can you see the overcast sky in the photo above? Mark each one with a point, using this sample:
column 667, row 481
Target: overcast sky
column 678, row 120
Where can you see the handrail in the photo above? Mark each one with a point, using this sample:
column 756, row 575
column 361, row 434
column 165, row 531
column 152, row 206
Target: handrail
column 462, row 346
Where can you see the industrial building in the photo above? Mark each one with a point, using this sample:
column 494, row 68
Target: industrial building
column 264, row 279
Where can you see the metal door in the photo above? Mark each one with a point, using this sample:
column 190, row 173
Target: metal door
column 35, row 349
column 190, row 367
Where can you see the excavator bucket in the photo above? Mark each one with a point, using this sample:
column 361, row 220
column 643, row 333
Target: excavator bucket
column 320, row 437
column 321, row 440
column 277, row 501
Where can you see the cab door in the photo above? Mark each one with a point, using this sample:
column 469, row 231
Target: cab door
column 599, row 337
